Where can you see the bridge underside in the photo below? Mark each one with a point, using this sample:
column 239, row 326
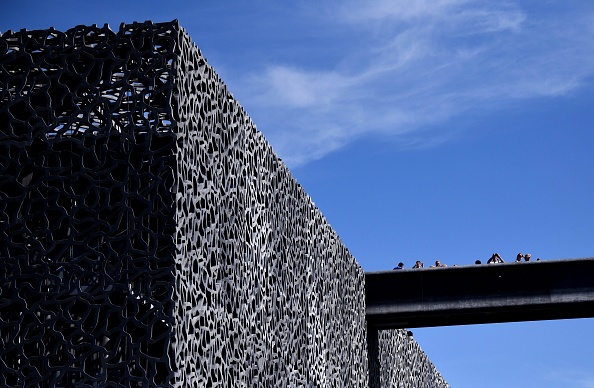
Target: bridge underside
column 488, row 293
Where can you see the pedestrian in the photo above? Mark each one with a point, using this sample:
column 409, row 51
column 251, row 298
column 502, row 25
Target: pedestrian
column 495, row 258
column 399, row 266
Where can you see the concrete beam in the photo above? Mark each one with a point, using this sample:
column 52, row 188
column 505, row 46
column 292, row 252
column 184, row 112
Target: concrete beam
column 486, row 293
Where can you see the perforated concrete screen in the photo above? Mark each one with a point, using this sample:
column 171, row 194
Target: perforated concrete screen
column 149, row 236
column 87, row 206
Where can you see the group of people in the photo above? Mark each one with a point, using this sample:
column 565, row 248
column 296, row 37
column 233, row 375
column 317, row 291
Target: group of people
column 419, row 264
column 494, row 259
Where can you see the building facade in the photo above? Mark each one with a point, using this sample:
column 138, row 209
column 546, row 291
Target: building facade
column 149, row 235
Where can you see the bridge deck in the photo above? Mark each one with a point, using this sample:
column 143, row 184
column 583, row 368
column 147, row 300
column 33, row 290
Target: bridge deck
column 486, row 293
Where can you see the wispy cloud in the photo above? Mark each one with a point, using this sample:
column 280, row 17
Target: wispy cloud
column 570, row 377
column 414, row 64
column 284, row 85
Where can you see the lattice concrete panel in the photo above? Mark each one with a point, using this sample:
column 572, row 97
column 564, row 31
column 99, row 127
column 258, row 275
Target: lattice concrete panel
column 404, row 364
column 87, row 210
column 266, row 293
column 149, row 236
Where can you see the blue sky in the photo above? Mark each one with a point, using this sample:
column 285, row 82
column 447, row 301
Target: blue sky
column 423, row 130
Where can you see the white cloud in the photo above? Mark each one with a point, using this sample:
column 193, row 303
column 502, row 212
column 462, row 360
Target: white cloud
column 374, row 11
column 571, row 377
column 283, row 85
column 421, row 63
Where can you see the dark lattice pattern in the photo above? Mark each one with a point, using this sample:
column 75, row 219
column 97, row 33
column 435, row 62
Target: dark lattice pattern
column 86, row 206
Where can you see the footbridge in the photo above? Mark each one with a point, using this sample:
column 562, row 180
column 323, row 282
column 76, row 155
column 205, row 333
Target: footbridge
column 485, row 293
